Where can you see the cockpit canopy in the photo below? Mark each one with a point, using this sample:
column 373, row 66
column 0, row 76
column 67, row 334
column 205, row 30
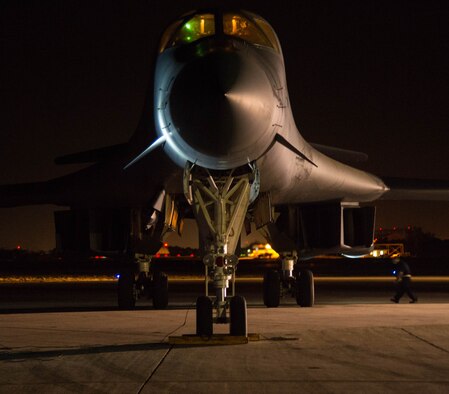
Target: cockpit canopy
column 244, row 25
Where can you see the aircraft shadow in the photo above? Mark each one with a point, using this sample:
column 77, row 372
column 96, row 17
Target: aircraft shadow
column 27, row 355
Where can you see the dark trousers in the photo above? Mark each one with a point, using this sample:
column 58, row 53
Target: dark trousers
column 404, row 287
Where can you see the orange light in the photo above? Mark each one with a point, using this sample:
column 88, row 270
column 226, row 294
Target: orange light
column 165, row 244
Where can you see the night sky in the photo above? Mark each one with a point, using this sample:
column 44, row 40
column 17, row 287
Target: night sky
column 371, row 76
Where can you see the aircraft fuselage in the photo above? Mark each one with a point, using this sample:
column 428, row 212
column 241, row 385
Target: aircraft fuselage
column 220, row 103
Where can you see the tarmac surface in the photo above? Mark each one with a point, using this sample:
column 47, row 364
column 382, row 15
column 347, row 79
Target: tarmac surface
column 69, row 337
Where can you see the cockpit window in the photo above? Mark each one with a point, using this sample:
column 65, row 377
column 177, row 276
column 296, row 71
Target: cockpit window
column 247, row 26
column 255, row 31
column 268, row 31
column 184, row 32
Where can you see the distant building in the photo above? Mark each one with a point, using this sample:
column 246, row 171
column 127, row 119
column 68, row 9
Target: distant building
column 388, row 250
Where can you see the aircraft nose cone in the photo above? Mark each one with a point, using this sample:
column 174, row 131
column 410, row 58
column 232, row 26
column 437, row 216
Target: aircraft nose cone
column 221, row 103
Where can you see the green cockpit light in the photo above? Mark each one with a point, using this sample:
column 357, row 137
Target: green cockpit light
column 247, row 26
column 199, row 26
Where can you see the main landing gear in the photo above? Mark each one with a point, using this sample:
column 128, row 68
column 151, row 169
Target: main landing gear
column 278, row 283
column 220, row 202
column 135, row 282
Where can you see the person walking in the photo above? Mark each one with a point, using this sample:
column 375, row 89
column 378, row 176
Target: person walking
column 403, row 280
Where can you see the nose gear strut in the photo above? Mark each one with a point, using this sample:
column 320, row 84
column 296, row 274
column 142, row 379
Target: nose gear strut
column 220, row 200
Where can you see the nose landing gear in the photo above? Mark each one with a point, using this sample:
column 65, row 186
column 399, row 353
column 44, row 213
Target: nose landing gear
column 220, row 202
column 221, row 309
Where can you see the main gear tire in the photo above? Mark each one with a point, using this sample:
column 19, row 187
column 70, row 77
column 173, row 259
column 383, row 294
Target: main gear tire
column 127, row 290
column 305, row 289
column 271, row 289
column 160, row 290
column 238, row 316
column 204, row 316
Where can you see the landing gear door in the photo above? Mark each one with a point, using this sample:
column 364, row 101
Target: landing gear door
column 263, row 212
column 358, row 226
column 172, row 219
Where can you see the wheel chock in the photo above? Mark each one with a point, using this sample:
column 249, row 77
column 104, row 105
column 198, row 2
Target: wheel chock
column 216, row 339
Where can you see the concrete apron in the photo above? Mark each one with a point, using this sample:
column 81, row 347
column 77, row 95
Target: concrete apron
column 337, row 348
